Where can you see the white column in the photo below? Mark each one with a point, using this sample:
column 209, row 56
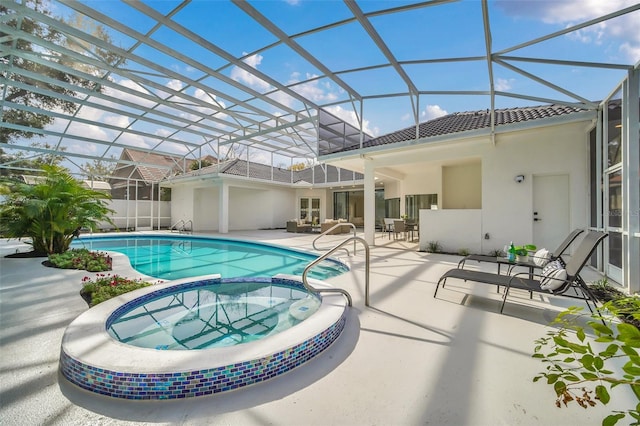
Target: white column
column 223, row 208
column 369, row 202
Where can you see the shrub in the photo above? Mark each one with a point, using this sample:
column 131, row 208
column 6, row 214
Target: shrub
column 50, row 213
column 82, row 259
column 463, row 252
column 580, row 371
column 105, row 287
column 434, row 247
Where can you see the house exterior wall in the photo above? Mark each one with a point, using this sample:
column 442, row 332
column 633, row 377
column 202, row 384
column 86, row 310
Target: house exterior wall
column 205, row 209
column 182, row 208
column 507, row 206
column 260, row 208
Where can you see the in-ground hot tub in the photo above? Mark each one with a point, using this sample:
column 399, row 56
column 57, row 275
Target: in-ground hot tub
column 182, row 353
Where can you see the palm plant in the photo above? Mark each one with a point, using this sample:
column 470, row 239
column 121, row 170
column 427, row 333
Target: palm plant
column 51, row 212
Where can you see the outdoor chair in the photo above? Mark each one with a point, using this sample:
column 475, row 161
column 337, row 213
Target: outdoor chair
column 555, row 255
column 553, row 281
column 398, row 228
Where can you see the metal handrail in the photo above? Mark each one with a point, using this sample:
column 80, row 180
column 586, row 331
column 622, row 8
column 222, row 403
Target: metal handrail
column 175, row 225
column 339, row 224
column 309, row 287
column 184, row 226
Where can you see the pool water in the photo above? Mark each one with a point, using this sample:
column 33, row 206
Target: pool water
column 212, row 316
column 171, row 258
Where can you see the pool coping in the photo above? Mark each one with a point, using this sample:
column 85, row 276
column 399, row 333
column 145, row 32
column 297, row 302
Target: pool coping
column 93, row 360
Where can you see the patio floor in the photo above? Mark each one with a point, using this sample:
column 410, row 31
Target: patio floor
column 409, row 359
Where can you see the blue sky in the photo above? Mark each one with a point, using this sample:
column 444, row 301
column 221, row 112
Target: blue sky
column 452, row 30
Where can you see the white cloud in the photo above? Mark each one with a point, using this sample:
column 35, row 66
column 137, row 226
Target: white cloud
column 175, row 85
column 351, row 118
column 121, row 121
column 243, row 76
column 163, row 133
column 623, row 29
column 503, row 84
column 315, row 90
column 432, row 111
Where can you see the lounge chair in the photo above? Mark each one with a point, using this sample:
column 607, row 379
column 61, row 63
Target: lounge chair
column 538, row 282
column 555, row 255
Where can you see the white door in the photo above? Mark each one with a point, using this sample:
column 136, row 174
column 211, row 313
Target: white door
column 550, row 210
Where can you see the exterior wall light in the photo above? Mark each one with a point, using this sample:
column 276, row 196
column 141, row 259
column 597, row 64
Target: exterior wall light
column 519, row 178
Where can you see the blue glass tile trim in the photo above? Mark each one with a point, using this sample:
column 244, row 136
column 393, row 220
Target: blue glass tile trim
column 184, row 384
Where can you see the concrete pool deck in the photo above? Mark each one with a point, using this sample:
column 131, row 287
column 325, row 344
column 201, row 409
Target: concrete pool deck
column 408, row 359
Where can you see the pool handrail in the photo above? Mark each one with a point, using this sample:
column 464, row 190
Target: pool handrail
column 337, row 225
column 182, row 228
column 309, row 287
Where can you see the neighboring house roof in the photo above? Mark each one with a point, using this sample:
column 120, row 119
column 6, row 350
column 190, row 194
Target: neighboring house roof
column 167, row 164
column 467, row 121
column 313, row 175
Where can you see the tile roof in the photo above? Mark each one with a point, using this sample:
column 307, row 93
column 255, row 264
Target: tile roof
column 467, row 121
column 167, row 164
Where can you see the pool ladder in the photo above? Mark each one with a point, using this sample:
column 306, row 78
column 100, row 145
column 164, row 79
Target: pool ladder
column 183, row 227
column 355, row 240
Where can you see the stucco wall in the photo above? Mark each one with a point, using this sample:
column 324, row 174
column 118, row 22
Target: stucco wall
column 260, row 208
column 437, row 225
column 182, row 204
column 507, row 206
column 205, row 209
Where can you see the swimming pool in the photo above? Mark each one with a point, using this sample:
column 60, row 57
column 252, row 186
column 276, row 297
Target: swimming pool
column 173, row 257
column 225, row 313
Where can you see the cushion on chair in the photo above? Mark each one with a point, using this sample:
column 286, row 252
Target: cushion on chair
column 542, row 257
column 553, row 276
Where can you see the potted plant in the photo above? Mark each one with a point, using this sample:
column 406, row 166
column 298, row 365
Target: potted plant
column 522, row 252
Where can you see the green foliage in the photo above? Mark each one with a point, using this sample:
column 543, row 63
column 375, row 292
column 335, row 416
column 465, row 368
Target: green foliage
column 497, row 253
column 99, row 169
column 82, row 259
column 105, row 287
column 50, row 212
column 463, row 252
column 200, row 164
column 525, row 249
column 585, row 372
column 434, row 247
column 55, row 83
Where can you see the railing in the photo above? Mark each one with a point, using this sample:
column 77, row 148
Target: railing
column 336, row 226
column 309, row 287
column 181, row 226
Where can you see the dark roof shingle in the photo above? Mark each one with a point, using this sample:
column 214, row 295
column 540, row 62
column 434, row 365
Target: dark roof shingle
column 467, row 121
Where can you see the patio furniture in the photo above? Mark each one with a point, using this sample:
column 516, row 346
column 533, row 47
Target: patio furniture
column 555, row 281
column 531, row 264
column 298, row 227
column 398, row 228
column 328, row 224
column 388, row 225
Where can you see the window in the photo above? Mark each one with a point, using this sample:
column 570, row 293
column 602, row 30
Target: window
column 310, row 210
column 414, row 203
